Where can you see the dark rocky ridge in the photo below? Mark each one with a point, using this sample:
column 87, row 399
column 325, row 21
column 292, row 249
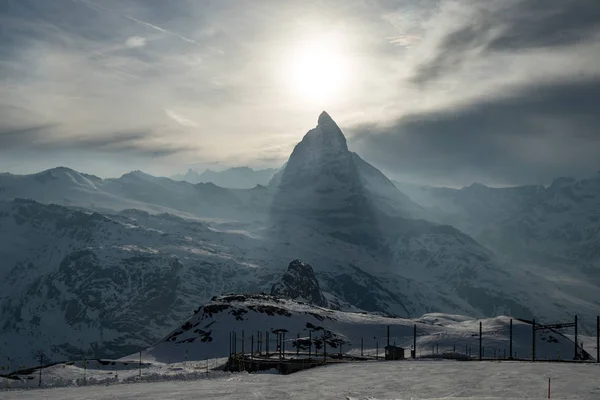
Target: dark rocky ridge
column 300, row 283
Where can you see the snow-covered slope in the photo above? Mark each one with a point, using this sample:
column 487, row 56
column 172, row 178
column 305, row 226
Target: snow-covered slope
column 207, row 333
column 74, row 281
column 434, row 380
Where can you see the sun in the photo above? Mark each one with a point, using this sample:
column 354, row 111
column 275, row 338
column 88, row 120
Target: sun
column 318, row 70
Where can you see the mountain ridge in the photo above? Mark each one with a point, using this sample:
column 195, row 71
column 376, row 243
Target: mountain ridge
column 232, row 178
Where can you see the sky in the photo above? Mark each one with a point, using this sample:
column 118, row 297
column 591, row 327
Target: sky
column 441, row 92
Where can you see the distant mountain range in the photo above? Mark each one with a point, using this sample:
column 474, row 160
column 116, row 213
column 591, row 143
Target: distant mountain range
column 136, row 190
column 233, row 178
column 557, row 226
column 108, row 266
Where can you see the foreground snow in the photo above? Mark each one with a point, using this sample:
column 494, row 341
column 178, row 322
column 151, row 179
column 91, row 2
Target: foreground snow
column 372, row 380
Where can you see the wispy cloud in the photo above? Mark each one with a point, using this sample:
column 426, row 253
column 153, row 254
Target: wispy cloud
column 135, row 41
column 47, row 138
column 404, row 40
column 140, row 22
column 180, row 120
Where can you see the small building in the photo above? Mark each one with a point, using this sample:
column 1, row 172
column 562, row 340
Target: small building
column 394, row 353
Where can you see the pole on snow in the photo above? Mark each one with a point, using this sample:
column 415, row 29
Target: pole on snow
column 283, row 344
column 377, row 350
column 41, row 365
column 251, row 346
column 309, row 345
column 7, row 372
column 324, row 348
column 388, row 335
column 598, row 339
column 510, row 353
column 361, row 346
column 575, row 358
column 140, row 373
column 480, row 341
column 243, row 342
column 533, row 340
column 415, row 340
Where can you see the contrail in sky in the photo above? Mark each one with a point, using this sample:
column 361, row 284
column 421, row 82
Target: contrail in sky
column 140, row 22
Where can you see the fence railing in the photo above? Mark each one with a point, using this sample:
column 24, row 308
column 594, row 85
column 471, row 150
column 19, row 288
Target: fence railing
column 279, row 346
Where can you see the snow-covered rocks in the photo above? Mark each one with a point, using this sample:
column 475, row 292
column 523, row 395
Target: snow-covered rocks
column 300, row 283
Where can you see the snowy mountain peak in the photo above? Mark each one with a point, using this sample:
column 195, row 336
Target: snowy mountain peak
column 137, row 175
column 324, row 181
column 327, row 135
column 320, row 173
column 325, row 118
column 58, row 170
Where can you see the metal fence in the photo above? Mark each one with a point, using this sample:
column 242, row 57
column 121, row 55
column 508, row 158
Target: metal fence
column 292, row 351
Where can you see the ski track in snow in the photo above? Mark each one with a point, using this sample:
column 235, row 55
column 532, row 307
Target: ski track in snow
column 361, row 381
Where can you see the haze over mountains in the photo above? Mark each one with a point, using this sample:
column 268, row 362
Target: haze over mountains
column 233, row 178
column 112, row 265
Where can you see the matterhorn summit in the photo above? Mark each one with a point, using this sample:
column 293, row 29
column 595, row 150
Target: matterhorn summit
column 328, row 133
column 324, row 181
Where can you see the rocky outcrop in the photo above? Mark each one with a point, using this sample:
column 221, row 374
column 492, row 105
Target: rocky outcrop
column 300, row 283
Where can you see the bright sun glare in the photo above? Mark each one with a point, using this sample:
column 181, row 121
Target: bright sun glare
column 318, row 71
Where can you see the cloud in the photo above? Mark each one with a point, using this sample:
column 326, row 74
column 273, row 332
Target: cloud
column 404, row 40
column 538, row 134
column 135, row 41
column 181, row 120
column 46, row 138
column 487, row 27
column 27, row 135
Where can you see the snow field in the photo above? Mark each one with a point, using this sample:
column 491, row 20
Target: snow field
column 358, row 381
